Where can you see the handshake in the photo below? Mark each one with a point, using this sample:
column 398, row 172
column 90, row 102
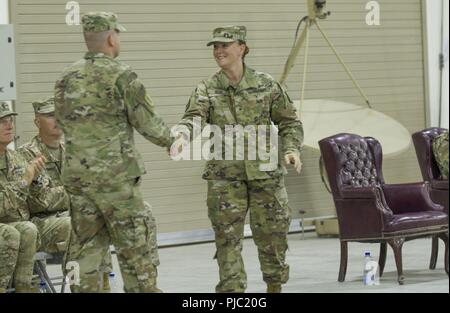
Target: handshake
column 182, row 140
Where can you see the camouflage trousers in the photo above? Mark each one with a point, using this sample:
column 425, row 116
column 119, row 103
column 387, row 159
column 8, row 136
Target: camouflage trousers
column 54, row 230
column 228, row 202
column 117, row 215
column 18, row 242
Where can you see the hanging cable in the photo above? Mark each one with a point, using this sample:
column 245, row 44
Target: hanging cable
column 303, row 19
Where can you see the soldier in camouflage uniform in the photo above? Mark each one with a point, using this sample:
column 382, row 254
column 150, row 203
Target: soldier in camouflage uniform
column 18, row 236
column 99, row 101
column 49, row 202
column 239, row 95
column 440, row 150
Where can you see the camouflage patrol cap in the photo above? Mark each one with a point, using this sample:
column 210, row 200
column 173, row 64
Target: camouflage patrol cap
column 228, row 34
column 5, row 110
column 44, row 106
column 96, row 22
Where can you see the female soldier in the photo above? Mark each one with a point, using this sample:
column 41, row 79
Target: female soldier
column 240, row 97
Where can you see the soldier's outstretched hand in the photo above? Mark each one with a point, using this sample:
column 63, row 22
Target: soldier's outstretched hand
column 294, row 158
column 177, row 147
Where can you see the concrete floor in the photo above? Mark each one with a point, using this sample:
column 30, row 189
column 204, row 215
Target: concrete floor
column 314, row 266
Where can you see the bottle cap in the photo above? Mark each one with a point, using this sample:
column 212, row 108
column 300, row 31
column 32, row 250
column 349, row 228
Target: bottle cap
column 367, row 253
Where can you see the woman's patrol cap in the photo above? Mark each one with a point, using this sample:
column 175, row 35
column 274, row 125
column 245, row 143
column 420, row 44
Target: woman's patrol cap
column 228, row 34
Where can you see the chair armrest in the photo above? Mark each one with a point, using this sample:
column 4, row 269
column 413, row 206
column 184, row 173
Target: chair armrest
column 359, row 193
column 412, row 197
column 439, row 184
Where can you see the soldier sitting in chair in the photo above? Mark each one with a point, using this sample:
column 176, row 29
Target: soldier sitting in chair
column 18, row 236
column 49, row 202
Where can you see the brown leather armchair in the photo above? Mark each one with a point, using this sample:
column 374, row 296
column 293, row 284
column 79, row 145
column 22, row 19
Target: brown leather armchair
column 430, row 172
column 369, row 210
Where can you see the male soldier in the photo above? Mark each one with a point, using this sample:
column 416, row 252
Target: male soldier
column 241, row 97
column 440, row 150
column 49, row 202
column 18, row 236
column 98, row 102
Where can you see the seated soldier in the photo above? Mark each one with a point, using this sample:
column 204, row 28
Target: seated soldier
column 440, row 151
column 18, row 236
column 9, row 251
column 49, row 202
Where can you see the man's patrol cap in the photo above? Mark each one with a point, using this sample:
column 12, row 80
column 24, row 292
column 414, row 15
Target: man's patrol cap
column 44, row 106
column 228, row 34
column 5, row 110
column 95, row 22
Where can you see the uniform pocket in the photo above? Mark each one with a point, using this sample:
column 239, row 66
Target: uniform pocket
column 2, row 206
column 257, row 107
column 213, row 195
column 282, row 196
column 284, row 210
column 144, row 225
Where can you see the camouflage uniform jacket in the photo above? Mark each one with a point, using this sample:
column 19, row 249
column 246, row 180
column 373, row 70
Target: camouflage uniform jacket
column 98, row 102
column 47, row 192
column 257, row 100
column 13, row 196
column 440, row 150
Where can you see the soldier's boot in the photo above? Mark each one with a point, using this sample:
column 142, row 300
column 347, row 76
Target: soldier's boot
column 155, row 290
column 106, row 285
column 273, row 288
column 26, row 289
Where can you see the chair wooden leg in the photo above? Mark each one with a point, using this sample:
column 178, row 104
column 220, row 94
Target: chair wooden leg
column 434, row 252
column 382, row 259
column 343, row 265
column 396, row 245
column 444, row 237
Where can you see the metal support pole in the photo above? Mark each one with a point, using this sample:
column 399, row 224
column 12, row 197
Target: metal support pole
column 343, row 64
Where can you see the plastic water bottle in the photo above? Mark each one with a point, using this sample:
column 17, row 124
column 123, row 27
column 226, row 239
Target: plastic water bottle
column 371, row 274
column 113, row 282
column 42, row 287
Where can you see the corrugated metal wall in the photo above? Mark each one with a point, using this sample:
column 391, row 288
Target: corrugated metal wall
column 165, row 44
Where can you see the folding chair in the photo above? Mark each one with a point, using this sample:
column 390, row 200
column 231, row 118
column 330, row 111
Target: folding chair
column 46, row 283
